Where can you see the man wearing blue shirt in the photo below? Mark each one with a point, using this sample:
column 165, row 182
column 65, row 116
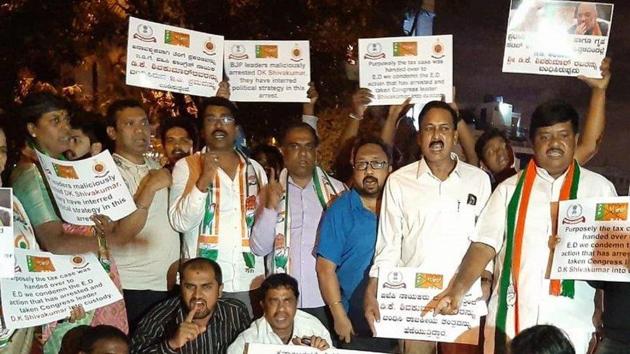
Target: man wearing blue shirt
column 346, row 246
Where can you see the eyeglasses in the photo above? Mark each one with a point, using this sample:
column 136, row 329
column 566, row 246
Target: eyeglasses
column 225, row 120
column 376, row 165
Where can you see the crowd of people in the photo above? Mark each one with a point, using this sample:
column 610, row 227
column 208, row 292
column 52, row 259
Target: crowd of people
column 226, row 248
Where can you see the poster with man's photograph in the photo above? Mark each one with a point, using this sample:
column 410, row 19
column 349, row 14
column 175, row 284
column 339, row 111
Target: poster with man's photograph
column 6, row 233
column 560, row 38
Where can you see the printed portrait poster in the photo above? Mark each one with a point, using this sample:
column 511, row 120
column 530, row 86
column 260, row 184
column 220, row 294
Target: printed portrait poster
column 594, row 240
column 86, row 187
column 268, row 71
column 396, row 68
column 175, row 59
column 6, row 233
column 560, row 38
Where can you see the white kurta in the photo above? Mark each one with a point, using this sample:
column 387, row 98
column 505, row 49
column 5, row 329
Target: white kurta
column 427, row 222
column 187, row 211
column 536, row 306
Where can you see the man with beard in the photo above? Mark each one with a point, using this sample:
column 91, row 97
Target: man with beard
column 282, row 323
column 428, row 212
column 346, row 246
column 179, row 139
column 199, row 321
column 514, row 230
column 286, row 224
column 213, row 202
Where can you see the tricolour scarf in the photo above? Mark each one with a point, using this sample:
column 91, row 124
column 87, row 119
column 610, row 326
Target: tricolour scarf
column 210, row 227
column 325, row 193
column 516, row 216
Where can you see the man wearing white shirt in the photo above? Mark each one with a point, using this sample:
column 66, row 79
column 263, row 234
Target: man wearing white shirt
column 429, row 209
column 282, row 322
column 515, row 230
column 213, row 202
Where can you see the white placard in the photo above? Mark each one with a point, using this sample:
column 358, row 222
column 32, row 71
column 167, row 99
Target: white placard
column 173, row 59
column 254, row 348
column 6, row 233
column 403, row 293
column 45, row 286
column 395, row 68
column 268, row 71
column 594, row 240
column 86, row 187
column 560, row 38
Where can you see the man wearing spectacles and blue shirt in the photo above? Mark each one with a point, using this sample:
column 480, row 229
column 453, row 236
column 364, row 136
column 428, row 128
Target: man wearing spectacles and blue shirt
column 346, row 246
column 428, row 212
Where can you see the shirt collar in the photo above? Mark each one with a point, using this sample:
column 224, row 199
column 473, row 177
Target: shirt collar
column 423, row 168
column 542, row 173
column 125, row 161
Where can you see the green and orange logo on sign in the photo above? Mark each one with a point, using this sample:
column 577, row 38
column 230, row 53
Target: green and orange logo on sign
column 611, row 211
column 39, row 264
column 405, row 49
column 429, row 281
column 266, row 51
column 177, row 38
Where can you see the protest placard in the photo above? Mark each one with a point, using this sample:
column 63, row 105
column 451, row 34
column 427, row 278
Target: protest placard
column 45, row 286
column 560, row 38
column 268, row 71
column 6, row 233
column 86, row 187
column 255, row 348
column 594, row 240
column 395, row 68
column 404, row 293
column 173, row 59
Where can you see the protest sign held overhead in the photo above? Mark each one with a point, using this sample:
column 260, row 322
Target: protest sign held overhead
column 395, row 68
column 173, row 59
column 268, row 71
column 46, row 286
column 86, row 187
column 560, row 38
column 594, row 240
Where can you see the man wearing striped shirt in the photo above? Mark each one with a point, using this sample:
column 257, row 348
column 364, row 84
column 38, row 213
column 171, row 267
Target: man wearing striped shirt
column 198, row 321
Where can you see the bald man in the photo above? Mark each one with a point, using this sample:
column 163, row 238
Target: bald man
column 587, row 22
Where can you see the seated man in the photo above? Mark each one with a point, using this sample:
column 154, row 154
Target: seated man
column 282, row 322
column 198, row 321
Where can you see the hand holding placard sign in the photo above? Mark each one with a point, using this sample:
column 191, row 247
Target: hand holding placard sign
column 594, row 240
column 560, row 38
column 268, row 71
column 404, row 294
column 46, row 286
column 173, row 59
column 87, row 187
column 395, row 68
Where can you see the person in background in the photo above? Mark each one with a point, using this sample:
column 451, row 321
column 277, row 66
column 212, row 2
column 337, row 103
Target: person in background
column 179, row 139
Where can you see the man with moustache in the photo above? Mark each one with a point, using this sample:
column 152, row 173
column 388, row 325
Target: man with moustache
column 199, row 321
column 514, row 230
column 428, row 211
column 213, row 202
column 179, row 139
column 291, row 209
column 147, row 244
column 346, row 246
column 282, row 323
